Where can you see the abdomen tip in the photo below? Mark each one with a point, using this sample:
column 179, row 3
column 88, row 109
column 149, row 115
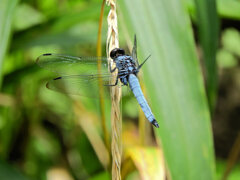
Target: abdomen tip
column 155, row 123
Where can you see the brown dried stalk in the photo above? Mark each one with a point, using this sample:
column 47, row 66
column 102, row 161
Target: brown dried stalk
column 101, row 90
column 112, row 42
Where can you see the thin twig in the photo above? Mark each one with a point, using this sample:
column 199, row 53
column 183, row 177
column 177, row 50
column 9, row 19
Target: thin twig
column 233, row 157
column 112, row 42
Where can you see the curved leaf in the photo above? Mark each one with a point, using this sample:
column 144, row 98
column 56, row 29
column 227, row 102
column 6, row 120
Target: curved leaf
column 148, row 161
column 175, row 85
column 208, row 28
column 7, row 9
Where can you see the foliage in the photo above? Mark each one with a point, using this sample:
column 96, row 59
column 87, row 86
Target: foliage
column 44, row 133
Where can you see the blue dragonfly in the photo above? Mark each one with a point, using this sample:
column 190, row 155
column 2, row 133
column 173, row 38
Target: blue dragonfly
column 80, row 75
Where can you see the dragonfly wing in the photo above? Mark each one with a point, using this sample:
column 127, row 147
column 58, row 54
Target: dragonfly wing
column 83, row 85
column 71, row 65
column 134, row 50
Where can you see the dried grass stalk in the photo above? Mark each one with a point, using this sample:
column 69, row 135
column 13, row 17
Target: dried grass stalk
column 101, row 90
column 116, row 147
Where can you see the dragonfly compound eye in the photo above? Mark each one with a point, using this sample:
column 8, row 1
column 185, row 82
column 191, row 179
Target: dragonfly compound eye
column 117, row 52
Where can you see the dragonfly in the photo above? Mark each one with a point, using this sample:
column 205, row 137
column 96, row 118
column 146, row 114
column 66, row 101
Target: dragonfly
column 80, row 75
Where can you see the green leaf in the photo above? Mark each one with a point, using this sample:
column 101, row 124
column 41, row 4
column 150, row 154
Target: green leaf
column 26, row 17
column 231, row 41
column 7, row 9
column 226, row 8
column 229, row 9
column 175, row 85
column 208, row 28
column 8, row 172
column 225, row 59
column 101, row 176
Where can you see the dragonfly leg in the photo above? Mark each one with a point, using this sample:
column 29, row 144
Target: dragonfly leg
column 124, row 80
column 112, row 70
column 113, row 84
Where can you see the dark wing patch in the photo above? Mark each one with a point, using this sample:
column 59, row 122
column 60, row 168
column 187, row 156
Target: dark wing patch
column 47, row 54
column 134, row 50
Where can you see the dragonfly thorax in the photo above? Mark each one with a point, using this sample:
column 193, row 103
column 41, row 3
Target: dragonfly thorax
column 125, row 65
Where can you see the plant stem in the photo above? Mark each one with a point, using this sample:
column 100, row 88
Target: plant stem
column 101, row 91
column 112, row 42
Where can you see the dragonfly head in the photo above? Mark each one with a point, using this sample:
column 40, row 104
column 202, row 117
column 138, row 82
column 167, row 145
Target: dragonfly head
column 117, row 52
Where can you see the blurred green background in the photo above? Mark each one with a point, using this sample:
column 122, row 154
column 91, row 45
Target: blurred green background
column 47, row 135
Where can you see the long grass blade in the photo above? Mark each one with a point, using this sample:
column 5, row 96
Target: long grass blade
column 7, row 9
column 175, row 85
column 208, row 27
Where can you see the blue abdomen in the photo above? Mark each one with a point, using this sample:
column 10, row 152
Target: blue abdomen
column 136, row 89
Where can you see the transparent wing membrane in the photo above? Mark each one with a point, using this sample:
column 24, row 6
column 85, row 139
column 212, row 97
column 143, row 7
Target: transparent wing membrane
column 83, row 85
column 70, row 65
column 78, row 75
